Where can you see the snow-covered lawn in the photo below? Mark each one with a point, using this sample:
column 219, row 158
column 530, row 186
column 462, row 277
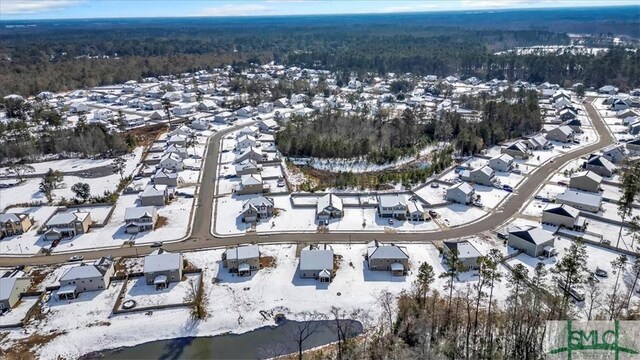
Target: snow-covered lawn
column 510, row 179
column 490, row 196
column 66, row 165
column 98, row 213
column 432, row 195
column 457, row 214
column 18, row 313
column 146, row 295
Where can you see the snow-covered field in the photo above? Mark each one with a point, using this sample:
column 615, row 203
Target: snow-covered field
column 233, row 303
column 18, row 313
column 146, row 295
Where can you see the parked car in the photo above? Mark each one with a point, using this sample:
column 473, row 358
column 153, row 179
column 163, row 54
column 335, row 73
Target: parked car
column 562, row 183
column 156, row 244
column 497, row 186
column 433, row 214
column 601, row 272
column 391, row 221
column 435, row 185
column 503, row 236
column 507, row 188
column 137, row 177
column 516, row 171
column 538, row 197
column 76, row 258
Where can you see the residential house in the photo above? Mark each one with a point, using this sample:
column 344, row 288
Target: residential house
column 608, row 89
column 415, row 211
column 517, row 150
column 199, row 124
column 247, row 167
column 189, row 97
column 533, row 241
column 178, row 150
column 619, row 104
column 502, row 162
column 585, row 181
column 242, row 259
column 246, row 112
column 246, row 141
column 562, row 133
column 162, row 268
column 140, row 219
column 250, row 184
column 634, row 147
column 256, row 209
column 461, row 193
column 600, row 165
column 484, row 176
column 467, row 253
column 615, row 153
column 224, row 117
column 154, row 195
column 580, row 200
column 567, row 114
column 251, row 153
column 67, row 225
column 281, row 103
column 14, row 224
column 265, row 107
column 394, row 206
column 250, row 131
column 178, row 140
column 103, row 115
column 538, row 142
column 317, row 262
column 563, row 216
column 171, row 161
column 152, row 105
column 86, row 277
column 328, row 207
column 574, row 124
column 164, row 177
column 11, row 289
column 268, row 125
column 79, row 108
column 387, row 257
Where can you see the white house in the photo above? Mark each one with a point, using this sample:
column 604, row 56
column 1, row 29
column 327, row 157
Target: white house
column 171, row 162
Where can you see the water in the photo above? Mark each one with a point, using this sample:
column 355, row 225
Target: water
column 261, row 343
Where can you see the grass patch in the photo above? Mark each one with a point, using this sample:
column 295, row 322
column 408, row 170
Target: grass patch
column 267, row 262
column 25, row 349
column 162, row 221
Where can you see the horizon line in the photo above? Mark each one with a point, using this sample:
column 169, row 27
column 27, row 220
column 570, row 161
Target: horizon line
column 490, row 10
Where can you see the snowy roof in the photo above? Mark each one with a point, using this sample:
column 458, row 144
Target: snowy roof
column 135, row 213
column 6, row 287
column 464, row 187
column 329, row 200
column 154, row 190
column 165, row 261
column 316, row 259
column 67, row 289
column 251, row 179
column 519, row 146
column 392, row 200
column 588, row 174
column 377, row 250
column 485, row 170
column 83, row 271
column 397, row 267
column 534, row 235
column 563, row 210
column 10, row 217
column 414, row 207
column 601, row 161
column 162, row 173
column 504, row 157
column 258, row 202
column 465, row 249
column 67, row 218
column 576, row 197
column 243, row 252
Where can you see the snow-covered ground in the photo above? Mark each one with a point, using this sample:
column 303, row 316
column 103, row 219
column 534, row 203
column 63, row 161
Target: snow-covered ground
column 17, row 313
column 146, row 295
column 233, row 303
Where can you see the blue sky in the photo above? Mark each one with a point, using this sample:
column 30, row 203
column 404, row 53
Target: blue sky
column 58, row 9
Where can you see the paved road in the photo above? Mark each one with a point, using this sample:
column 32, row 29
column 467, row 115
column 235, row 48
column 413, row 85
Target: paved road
column 201, row 236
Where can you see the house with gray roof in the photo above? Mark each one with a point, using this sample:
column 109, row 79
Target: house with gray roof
column 162, row 268
column 633, row 147
column 600, row 165
column 392, row 205
column 580, row 200
column 387, row 257
column 67, row 225
column 415, row 211
column 608, row 89
column 14, row 224
column 562, row 133
column 502, row 162
column 317, row 262
column 256, row 209
column 533, row 241
column 615, row 153
column 517, row 150
column 328, row 207
column 165, row 177
column 467, row 253
column 140, row 219
column 562, row 215
column 242, row 259
column 251, row 153
column 154, row 195
column 250, row 184
column 12, row 286
column 483, row 176
column 460, row 193
column 86, row 277
column 538, row 142
column 585, row 181
column 247, row 167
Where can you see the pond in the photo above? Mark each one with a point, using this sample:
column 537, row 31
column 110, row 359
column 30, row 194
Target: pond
column 265, row 342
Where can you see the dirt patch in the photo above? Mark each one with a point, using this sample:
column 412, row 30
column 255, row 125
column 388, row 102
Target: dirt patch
column 37, row 276
column 162, row 221
column 100, row 323
column 267, row 262
column 25, row 349
column 145, row 136
column 187, row 265
column 120, row 267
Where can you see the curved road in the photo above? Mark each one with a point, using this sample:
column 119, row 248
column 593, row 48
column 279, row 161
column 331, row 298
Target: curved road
column 201, row 236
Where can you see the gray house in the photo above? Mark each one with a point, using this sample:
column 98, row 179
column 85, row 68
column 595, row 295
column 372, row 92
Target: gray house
column 162, row 268
column 394, row 206
column 67, row 225
column 517, row 150
column 247, row 167
column 502, row 162
column 154, row 195
column 600, row 165
column 585, row 181
column 483, row 176
column 563, row 216
column 164, row 177
column 329, row 206
column 615, row 153
column 387, row 257
column 580, row 200
column 11, row 287
column 562, row 133
column 317, row 262
column 242, row 259
column 86, row 277
column 250, row 184
column 467, row 253
column 461, row 193
column 257, row 208
column 139, row 219
column 533, row 241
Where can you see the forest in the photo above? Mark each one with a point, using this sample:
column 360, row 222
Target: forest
column 34, row 59
column 384, row 138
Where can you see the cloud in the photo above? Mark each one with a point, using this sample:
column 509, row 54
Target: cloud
column 409, row 8
column 10, row 7
column 489, row 4
column 237, row 10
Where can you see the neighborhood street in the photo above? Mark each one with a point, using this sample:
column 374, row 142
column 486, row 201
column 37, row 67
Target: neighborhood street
column 202, row 238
